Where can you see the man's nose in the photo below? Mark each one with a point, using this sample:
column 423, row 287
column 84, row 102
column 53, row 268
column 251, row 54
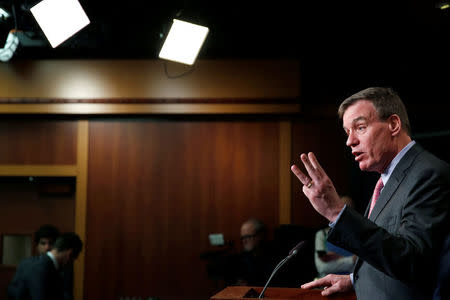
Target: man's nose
column 351, row 140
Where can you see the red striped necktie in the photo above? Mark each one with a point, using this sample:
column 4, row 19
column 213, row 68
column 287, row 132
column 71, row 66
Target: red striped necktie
column 376, row 194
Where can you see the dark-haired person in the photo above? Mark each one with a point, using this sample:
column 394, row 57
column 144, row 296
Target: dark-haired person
column 41, row 279
column 45, row 237
column 399, row 239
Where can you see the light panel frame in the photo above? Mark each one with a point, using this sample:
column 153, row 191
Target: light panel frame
column 184, row 41
column 59, row 19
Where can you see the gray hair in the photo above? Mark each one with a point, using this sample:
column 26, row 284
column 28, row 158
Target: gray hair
column 386, row 102
column 260, row 227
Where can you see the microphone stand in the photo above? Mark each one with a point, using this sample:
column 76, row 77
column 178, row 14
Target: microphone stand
column 280, row 264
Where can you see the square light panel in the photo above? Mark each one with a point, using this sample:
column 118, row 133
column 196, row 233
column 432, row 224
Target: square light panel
column 3, row 14
column 183, row 42
column 59, row 19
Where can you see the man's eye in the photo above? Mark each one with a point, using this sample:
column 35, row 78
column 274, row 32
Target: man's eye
column 361, row 128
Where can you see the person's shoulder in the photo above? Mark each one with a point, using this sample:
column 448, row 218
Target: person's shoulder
column 322, row 232
column 427, row 161
column 27, row 262
column 29, row 267
column 427, row 156
column 41, row 262
column 40, row 269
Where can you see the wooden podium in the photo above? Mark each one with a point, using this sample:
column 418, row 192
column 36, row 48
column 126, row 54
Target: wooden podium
column 274, row 293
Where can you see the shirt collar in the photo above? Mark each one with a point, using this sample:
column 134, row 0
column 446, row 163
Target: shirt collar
column 52, row 257
column 387, row 173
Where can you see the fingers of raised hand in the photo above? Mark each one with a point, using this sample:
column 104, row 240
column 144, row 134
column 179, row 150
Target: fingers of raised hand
column 314, row 162
column 306, row 162
column 302, row 177
column 311, row 163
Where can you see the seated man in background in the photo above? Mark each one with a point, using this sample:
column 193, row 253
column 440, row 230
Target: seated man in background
column 328, row 258
column 254, row 264
column 40, row 278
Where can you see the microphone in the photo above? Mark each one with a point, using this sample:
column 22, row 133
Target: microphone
column 297, row 248
column 292, row 253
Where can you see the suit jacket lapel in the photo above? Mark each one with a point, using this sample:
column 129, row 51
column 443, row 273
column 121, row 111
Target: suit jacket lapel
column 394, row 181
column 386, row 194
column 366, row 213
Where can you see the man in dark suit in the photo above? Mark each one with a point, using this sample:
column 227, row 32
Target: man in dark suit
column 399, row 239
column 41, row 277
column 44, row 238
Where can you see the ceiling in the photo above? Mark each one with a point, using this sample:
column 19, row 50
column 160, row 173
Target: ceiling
column 342, row 46
column 247, row 28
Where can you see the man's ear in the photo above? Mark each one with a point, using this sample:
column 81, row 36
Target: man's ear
column 395, row 124
column 69, row 253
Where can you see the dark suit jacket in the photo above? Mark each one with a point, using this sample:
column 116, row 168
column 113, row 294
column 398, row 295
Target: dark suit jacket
column 38, row 279
column 398, row 247
column 67, row 274
column 442, row 290
column 17, row 282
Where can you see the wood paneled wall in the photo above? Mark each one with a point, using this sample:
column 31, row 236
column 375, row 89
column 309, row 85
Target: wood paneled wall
column 158, row 188
column 150, row 190
column 42, row 148
column 146, row 79
column 28, row 142
column 34, row 142
column 25, row 206
column 33, row 147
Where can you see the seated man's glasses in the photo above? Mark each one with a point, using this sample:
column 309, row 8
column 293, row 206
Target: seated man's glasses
column 248, row 236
